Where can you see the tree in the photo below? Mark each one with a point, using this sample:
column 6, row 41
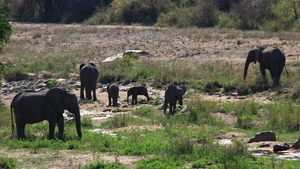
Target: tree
column 5, row 27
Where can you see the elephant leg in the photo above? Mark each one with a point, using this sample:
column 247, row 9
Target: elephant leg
column 81, row 90
column 109, row 100
column 132, row 100
column 60, row 125
column 180, row 101
column 147, row 96
column 51, row 128
column 276, row 78
column 20, row 129
column 94, row 93
column 171, row 109
column 263, row 72
column 135, row 99
column 88, row 92
column 165, row 107
column 115, row 101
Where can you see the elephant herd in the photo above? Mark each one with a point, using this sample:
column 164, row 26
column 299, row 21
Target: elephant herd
column 32, row 107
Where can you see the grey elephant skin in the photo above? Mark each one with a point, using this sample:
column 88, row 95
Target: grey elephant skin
column 113, row 94
column 33, row 107
column 269, row 58
column 172, row 94
column 88, row 78
column 135, row 91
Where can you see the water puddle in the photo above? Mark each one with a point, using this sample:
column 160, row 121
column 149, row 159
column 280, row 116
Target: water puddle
column 286, row 155
column 103, row 132
column 99, row 115
column 290, row 154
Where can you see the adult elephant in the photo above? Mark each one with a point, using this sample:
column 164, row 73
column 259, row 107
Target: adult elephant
column 88, row 78
column 172, row 94
column 135, row 91
column 113, row 94
column 269, row 58
column 33, row 107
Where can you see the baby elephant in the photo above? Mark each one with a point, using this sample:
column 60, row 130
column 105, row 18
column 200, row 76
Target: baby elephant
column 135, row 91
column 172, row 94
column 113, row 94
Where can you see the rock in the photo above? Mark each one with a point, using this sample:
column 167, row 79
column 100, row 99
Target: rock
column 281, row 147
column 184, row 110
column 124, row 88
column 77, row 84
column 193, row 90
column 201, row 140
column 41, row 85
column 296, row 144
column 234, row 94
column 263, row 136
column 61, row 80
column 120, row 55
column 264, row 145
column 44, row 75
column 160, row 107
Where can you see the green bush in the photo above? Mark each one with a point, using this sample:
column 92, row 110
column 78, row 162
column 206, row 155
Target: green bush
column 102, row 165
column 283, row 116
column 7, row 163
column 5, row 28
column 201, row 14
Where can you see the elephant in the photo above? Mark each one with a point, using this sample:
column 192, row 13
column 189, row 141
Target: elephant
column 269, row 58
column 172, row 94
column 135, row 91
column 113, row 94
column 88, row 78
column 33, row 107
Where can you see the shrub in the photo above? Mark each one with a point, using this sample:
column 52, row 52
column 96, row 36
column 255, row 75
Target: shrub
column 101, row 164
column 7, row 163
column 5, row 28
column 202, row 13
column 283, row 116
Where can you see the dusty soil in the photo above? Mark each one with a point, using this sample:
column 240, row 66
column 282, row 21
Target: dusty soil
column 199, row 45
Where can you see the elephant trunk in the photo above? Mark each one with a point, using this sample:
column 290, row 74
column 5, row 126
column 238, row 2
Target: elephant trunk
column 78, row 124
column 246, row 68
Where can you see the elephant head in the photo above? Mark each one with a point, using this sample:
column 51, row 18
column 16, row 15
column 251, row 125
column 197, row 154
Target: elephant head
column 61, row 100
column 183, row 89
column 253, row 56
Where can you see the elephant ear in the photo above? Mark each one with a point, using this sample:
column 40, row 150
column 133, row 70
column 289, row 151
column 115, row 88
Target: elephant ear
column 55, row 97
column 183, row 89
column 81, row 66
column 92, row 64
column 257, row 52
column 172, row 88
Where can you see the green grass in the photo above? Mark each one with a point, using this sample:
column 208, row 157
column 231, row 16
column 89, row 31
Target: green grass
column 171, row 147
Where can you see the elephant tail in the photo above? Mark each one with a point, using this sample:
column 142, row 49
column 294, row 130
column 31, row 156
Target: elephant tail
column 12, row 121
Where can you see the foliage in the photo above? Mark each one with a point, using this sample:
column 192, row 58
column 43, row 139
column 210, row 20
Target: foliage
column 7, row 163
column 283, row 116
column 134, row 11
column 200, row 13
column 5, row 28
column 269, row 15
column 66, row 11
column 101, row 164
